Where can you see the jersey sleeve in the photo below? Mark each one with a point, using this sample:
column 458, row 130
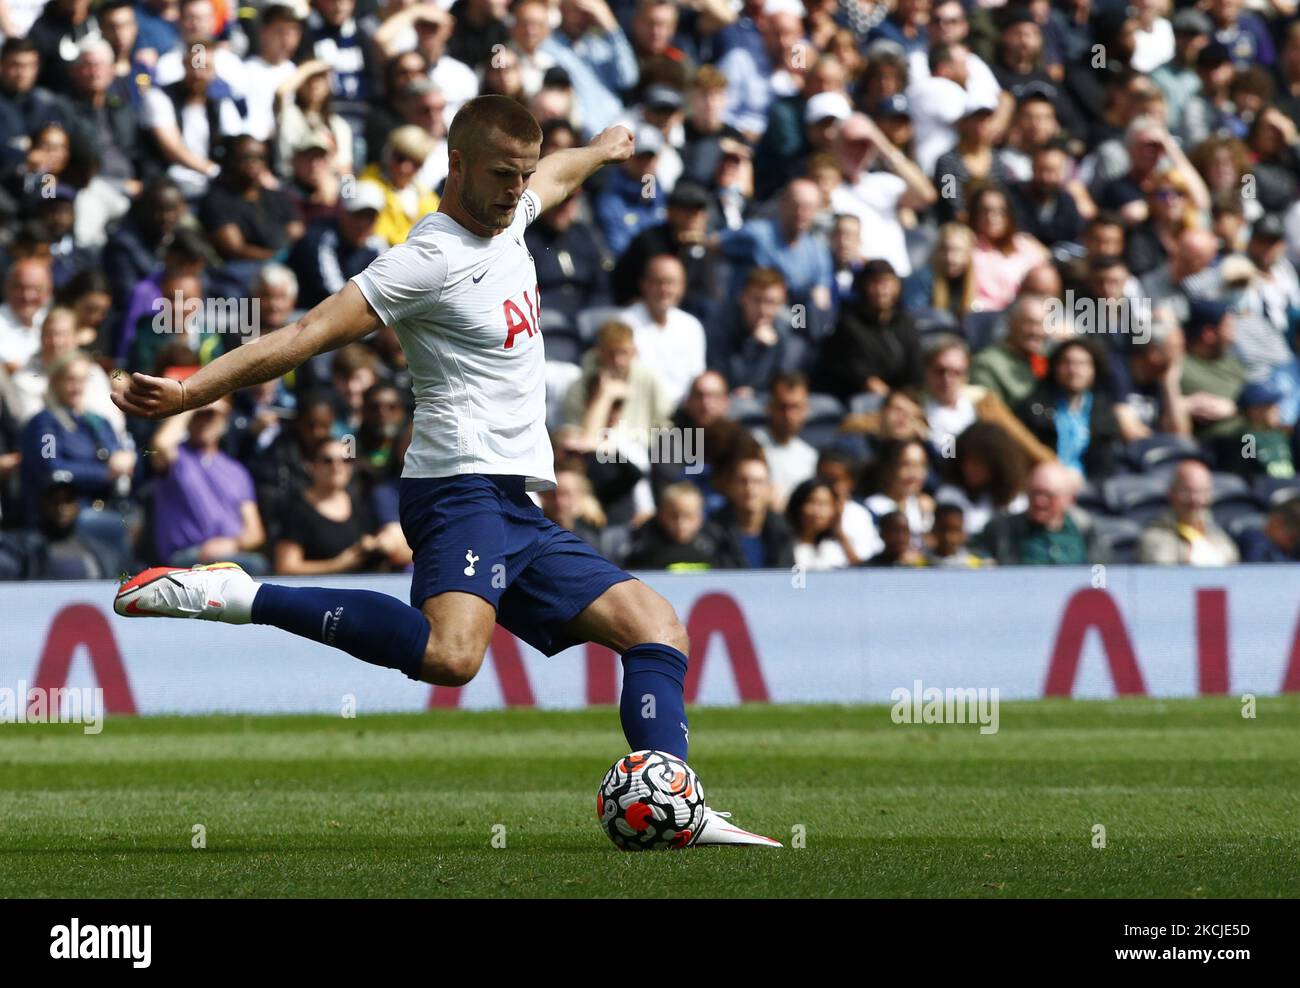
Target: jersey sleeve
column 402, row 279
column 530, row 207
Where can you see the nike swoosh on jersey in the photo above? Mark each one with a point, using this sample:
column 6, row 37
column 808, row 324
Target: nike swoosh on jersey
column 479, row 278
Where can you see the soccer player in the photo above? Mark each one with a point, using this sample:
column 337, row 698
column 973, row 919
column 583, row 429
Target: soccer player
column 461, row 293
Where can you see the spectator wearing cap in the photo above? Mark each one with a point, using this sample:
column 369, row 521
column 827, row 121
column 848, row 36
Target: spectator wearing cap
column 874, row 346
column 572, row 269
column 28, row 289
column 187, row 121
column 1178, row 78
column 53, row 548
column 660, row 108
column 1051, row 531
column 279, row 33
column 669, row 340
column 787, row 244
column 67, row 437
column 313, row 183
column 1274, row 289
column 877, row 196
column 336, row 248
column 756, row 78
column 57, row 33
column 1045, row 208
column 937, row 100
column 307, row 109
column 1070, row 412
column 972, row 158
column 622, row 211
column 1264, row 447
column 24, row 106
column 796, row 128
column 1212, row 377
column 1186, row 534
column 480, row 30
column 205, row 506
column 396, row 175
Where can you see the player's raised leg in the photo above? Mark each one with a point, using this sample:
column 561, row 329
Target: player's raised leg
column 373, row 627
column 643, row 627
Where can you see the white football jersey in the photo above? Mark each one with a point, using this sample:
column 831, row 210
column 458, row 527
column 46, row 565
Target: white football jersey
column 467, row 312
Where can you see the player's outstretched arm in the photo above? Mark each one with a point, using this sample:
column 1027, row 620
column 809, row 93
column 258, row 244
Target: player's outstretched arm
column 342, row 318
column 559, row 173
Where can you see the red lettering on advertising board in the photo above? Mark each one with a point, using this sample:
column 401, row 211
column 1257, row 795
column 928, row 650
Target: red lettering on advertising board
column 84, row 624
column 1212, row 641
column 516, row 691
column 719, row 614
column 1093, row 609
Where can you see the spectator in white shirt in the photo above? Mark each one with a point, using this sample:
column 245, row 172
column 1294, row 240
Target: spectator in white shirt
column 790, row 460
column 28, row 289
column 279, row 35
column 877, row 197
column 669, row 340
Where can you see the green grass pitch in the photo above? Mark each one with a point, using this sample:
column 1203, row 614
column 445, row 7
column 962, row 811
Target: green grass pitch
column 1196, row 801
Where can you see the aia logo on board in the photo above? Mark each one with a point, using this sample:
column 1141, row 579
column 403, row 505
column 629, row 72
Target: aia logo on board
column 525, row 318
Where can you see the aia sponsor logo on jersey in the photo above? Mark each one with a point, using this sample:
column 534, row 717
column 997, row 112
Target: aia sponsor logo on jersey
column 523, row 317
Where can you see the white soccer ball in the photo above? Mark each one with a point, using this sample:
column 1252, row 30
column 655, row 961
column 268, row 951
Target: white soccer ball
column 650, row 801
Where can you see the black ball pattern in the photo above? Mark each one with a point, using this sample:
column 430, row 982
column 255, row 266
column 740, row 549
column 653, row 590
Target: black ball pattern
column 650, row 801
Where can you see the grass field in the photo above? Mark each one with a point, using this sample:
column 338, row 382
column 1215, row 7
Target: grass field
column 1196, row 802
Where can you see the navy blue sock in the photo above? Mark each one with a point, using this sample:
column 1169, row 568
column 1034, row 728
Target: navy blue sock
column 652, row 708
column 374, row 627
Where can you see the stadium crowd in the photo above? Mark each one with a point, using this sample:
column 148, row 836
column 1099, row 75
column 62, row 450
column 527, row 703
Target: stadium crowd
column 909, row 283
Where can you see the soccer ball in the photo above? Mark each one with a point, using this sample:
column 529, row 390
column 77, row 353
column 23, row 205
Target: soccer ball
column 650, row 801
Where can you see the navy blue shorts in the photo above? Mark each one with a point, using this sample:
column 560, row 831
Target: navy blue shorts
column 482, row 534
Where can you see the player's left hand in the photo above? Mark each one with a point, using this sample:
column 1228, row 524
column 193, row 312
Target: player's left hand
column 617, row 143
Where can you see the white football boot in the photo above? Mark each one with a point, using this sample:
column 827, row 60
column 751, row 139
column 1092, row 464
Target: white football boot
column 718, row 829
column 209, row 592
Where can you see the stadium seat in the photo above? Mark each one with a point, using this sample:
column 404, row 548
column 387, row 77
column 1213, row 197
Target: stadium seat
column 750, row 412
column 865, row 403
column 825, row 413
column 1239, row 526
column 1138, row 496
column 1235, row 506
column 563, row 345
column 1228, row 485
column 1120, row 536
column 1272, row 491
column 1147, row 455
column 590, row 320
column 560, row 376
column 1090, row 499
